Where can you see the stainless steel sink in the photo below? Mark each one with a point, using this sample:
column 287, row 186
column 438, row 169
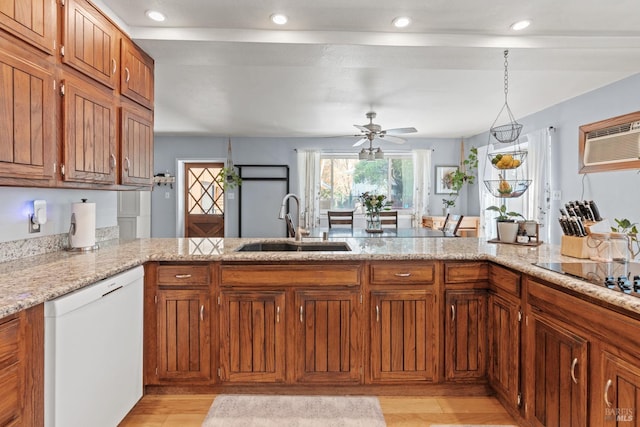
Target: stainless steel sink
column 294, row 247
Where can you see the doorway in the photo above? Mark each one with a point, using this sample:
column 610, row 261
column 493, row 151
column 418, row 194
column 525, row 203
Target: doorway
column 203, row 200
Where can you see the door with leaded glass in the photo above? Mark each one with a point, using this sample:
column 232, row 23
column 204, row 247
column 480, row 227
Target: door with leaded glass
column 204, row 200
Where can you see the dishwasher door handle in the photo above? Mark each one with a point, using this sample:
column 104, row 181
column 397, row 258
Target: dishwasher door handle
column 112, row 291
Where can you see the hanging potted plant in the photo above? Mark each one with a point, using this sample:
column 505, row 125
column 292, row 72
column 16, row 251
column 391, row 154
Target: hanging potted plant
column 506, row 223
column 461, row 176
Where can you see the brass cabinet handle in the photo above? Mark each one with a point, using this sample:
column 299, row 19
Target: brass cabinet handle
column 183, row 276
column 377, row 313
column 202, row 312
column 114, row 66
column 453, row 312
column 127, row 164
column 573, row 370
column 128, row 75
column 113, row 161
column 301, row 314
column 403, row 274
column 278, row 314
column 606, row 393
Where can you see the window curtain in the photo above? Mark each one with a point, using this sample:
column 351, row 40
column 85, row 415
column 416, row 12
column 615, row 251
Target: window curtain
column 309, row 187
column 536, row 202
column 422, row 184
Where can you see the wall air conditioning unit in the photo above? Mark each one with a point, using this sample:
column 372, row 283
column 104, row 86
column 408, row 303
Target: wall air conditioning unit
column 611, row 144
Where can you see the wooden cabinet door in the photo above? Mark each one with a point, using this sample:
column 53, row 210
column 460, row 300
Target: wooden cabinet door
column 504, row 348
column 184, row 333
column 403, row 335
column 327, row 343
column 466, row 335
column 618, row 400
column 27, row 117
column 136, row 75
column 89, row 141
column 90, row 42
column 136, row 142
column 252, row 336
column 557, row 375
column 33, row 21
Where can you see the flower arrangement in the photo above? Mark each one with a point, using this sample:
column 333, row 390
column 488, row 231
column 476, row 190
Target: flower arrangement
column 374, row 203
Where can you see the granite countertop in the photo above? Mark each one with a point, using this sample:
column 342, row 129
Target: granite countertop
column 29, row 281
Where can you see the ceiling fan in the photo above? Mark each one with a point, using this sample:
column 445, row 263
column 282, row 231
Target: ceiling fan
column 371, row 130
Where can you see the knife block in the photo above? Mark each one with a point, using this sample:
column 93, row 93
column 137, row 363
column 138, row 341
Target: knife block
column 574, row 246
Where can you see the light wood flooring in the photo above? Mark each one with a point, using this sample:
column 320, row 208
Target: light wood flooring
column 190, row 410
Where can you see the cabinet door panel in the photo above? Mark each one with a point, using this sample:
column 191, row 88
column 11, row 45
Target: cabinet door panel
column 620, row 396
column 30, row 20
column 558, row 380
column 403, row 335
column 137, row 146
column 252, row 336
column 184, row 335
column 504, row 347
column 90, row 42
column 27, row 112
column 466, row 337
column 89, row 143
column 327, row 338
column 136, row 78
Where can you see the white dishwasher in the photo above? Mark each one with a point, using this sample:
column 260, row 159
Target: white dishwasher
column 93, row 352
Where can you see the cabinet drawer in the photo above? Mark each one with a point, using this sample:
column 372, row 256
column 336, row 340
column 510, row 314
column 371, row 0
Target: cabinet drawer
column 9, row 332
column 183, row 275
column 463, row 272
column 290, row 275
column 504, row 279
column 398, row 272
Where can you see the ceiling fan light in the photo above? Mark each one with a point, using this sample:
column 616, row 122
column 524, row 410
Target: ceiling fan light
column 401, row 22
column 279, row 19
column 362, row 155
column 379, row 154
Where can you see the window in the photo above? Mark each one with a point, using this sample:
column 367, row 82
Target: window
column 343, row 178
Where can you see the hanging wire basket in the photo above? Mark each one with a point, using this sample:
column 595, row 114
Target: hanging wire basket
column 509, row 132
column 507, row 160
column 507, row 188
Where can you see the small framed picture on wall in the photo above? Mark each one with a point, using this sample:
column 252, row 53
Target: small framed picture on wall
column 444, row 179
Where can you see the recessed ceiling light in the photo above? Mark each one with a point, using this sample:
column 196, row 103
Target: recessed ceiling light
column 279, row 19
column 401, row 22
column 155, row 15
column 520, row 25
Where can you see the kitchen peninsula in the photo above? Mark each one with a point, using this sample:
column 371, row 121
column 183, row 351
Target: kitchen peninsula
column 436, row 315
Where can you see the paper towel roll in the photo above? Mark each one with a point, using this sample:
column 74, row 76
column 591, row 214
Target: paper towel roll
column 83, row 235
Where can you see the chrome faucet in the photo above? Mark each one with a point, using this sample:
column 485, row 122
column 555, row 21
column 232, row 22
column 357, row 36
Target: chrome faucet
column 283, row 212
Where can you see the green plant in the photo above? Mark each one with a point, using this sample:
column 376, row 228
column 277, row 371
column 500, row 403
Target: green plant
column 503, row 214
column 374, row 203
column 462, row 176
column 631, row 230
column 228, row 178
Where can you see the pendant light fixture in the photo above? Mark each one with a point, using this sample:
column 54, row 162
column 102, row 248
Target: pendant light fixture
column 511, row 131
column 371, row 153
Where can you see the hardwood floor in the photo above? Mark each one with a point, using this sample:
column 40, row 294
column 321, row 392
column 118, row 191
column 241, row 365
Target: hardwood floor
column 190, row 410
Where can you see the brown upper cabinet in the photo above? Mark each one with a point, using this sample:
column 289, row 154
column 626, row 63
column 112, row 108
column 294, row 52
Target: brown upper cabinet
column 136, row 75
column 27, row 114
column 136, row 145
column 89, row 42
column 33, row 21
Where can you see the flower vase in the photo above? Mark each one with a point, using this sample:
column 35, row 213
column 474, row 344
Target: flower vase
column 373, row 222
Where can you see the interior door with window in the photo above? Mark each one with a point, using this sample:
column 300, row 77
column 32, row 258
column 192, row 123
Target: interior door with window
column 204, row 200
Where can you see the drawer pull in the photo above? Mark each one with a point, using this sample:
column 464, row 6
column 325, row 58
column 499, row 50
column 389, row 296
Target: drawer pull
column 573, row 370
column 403, row 274
column 301, row 314
column 202, row 312
column 377, row 313
column 453, row 313
column 183, row 276
column 278, row 314
column 606, row 393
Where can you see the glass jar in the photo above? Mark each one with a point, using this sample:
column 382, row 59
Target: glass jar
column 619, row 247
column 599, row 247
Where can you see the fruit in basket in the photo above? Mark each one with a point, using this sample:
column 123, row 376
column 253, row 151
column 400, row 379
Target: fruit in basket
column 504, row 187
column 505, row 161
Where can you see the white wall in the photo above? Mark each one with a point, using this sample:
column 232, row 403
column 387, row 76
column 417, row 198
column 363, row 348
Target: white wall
column 17, row 205
column 616, row 193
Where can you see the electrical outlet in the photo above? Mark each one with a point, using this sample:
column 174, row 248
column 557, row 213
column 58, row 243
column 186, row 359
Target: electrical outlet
column 556, row 195
column 34, row 228
column 167, row 195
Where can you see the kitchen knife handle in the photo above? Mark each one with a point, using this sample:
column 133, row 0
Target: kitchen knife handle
column 594, row 209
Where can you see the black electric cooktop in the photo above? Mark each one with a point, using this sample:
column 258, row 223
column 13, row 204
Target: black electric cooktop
column 617, row 276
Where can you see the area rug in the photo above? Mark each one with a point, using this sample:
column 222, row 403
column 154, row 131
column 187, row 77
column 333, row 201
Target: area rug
column 292, row 411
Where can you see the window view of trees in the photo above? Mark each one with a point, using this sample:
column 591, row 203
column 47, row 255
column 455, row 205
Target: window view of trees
column 343, row 179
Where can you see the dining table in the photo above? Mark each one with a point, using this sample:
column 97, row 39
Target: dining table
column 384, row 233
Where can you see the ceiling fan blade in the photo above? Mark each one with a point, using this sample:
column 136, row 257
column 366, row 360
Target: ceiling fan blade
column 394, row 139
column 362, row 128
column 397, row 131
column 360, row 142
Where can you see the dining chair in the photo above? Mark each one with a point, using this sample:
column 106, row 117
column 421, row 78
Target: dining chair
column 389, row 218
column 451, row 224
column 340, row 218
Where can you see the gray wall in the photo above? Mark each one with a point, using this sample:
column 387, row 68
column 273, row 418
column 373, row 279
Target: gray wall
column 280, row 151
column 616, row 193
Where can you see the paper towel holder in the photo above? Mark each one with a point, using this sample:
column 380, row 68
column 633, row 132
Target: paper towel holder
column 72, row 232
